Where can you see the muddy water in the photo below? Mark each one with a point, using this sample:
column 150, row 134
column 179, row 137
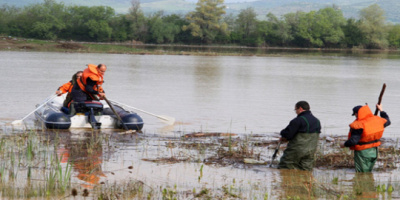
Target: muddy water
column 242, row 95
column 220, row 94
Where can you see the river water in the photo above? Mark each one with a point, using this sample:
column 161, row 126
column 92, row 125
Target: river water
column 237, row 94
column 214, row 94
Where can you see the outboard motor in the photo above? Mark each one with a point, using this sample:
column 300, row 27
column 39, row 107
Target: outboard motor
column 91, row 108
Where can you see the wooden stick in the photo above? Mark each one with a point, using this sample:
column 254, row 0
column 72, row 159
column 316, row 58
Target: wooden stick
column 380, row 98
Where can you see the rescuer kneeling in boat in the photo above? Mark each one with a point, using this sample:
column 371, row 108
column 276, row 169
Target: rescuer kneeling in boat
column 364, row 136
column 87, row 89
column 67, row 88
column 90, row 84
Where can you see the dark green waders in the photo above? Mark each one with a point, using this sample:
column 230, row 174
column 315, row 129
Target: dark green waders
column 364, row 160
column 300, row 152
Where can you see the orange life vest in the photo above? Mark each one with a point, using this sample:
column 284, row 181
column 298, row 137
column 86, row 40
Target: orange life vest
column 92, row 73
column 67, row 87
column 373, row 127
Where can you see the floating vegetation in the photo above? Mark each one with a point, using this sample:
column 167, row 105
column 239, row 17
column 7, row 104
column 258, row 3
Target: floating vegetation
column 170, row 160
column 101, row 165
column 202, row 134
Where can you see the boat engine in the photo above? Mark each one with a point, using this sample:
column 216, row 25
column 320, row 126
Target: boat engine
column 91, row 108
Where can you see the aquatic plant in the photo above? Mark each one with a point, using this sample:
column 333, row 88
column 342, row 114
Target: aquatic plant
column 28, row 157
column 169, row 193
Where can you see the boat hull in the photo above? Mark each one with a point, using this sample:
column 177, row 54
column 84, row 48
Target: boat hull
column 50, row 116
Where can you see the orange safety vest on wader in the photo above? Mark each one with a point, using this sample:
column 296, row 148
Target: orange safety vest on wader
column 92, row 73
column 373, row 127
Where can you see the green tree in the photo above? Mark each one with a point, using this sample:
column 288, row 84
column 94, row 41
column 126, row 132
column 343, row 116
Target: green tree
column 249, row 29
column 180, row 21
column 276, row 31
column 98, row 27
column 162, row 31
column 293, row 22
column 44, row 21
column 99, row 30
column 76, row 23
column 394, row 36
column 317, row 28
column 89, row 23
column 328, row 26
column 373, row 27
column 246, row 22
column 205, row 22
column 7, row 15
column 139, row 24
column 120, row 28
column 233, row 35
column 352, row 32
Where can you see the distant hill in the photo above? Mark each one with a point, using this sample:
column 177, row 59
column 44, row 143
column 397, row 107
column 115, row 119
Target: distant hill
column 350, row 8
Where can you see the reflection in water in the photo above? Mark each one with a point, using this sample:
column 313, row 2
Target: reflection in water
column 86, row 157
column 208, row 77
column 84, row 150
column 297, row 184
column 364, row 186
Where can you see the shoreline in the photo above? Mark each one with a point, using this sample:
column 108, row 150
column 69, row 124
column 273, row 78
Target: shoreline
column 18, row 44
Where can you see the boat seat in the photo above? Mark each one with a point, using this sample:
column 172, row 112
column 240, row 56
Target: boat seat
column 85, row 107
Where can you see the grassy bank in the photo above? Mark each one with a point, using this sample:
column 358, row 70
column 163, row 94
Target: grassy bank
column 22, row 44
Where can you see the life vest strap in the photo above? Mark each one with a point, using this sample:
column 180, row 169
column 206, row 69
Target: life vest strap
column 371, row 142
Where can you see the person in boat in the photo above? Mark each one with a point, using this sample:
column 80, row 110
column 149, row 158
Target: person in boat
column 89, row 86
column 302, row 135
column 67, row 88
column 364, row 136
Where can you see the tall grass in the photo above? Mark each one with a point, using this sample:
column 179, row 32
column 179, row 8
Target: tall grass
column 26, row 152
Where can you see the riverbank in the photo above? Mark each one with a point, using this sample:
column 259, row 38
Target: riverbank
column 22, row 44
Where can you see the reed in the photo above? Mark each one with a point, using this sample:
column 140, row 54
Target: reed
column 27, row 157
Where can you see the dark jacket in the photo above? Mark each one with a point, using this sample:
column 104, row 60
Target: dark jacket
column 302, row 134
column 300, row 125
column 79, row 95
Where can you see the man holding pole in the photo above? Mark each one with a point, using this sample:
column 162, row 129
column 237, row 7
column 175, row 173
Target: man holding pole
column 364, row 136
column 303, row 135
column 90, row 84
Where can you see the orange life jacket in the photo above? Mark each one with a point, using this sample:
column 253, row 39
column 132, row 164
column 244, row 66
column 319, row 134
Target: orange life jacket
column 373, row 127
column 67, row 87
column 92, row 73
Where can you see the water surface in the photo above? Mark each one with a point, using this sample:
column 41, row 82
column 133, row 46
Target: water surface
column 217, row 94
column 242, row 95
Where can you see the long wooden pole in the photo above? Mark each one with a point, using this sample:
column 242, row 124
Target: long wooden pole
column 116, row 114
column 380, row 97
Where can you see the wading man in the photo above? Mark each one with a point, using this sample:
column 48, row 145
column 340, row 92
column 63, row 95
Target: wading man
column 364, row 136
column 302, row 133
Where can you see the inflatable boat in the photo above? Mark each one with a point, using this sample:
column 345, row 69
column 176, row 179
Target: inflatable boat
column 89, row 114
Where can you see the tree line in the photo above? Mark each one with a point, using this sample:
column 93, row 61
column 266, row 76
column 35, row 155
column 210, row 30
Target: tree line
column 207, row 24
